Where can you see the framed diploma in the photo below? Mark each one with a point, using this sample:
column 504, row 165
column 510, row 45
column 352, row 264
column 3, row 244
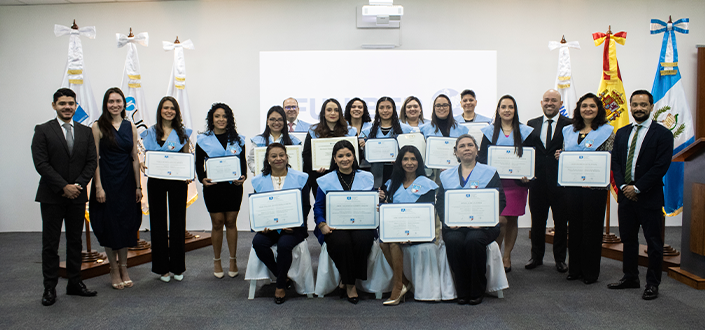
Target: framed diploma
column 294, row 153
column 381, row 150
column 413, row 139
column 509, row 165
column 472, row 207
column 169, row 165
column 299, row 135
column 322, row 150
column 584, row 168
column 474, row 129
column 413, row 222
column 220, row 169
column 352, row 209
column 276, row 210
column 439, row 152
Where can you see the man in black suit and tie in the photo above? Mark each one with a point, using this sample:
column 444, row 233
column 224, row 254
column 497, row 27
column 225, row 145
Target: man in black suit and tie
column 640, row 158
column 544, row 191
column 64, row 155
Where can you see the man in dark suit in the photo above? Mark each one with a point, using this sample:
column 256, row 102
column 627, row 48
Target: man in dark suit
column 640, row 158
column 544, row 191
column 64, row 155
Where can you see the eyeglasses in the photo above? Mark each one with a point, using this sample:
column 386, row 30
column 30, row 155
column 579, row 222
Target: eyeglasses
column 441, row 106
column 276, row 120
column 291, row 107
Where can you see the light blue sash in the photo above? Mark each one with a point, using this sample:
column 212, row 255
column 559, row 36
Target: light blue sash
column 366, row 132
column 172, row 143
column 503, row 140
column 352, row 131
column 210, row 144
column 478, row 118
column 329, row 182
column 294, row 180
column 479, row 178
column 591, row 142
column 259, row 140
column 418, row 188
column 430, row 130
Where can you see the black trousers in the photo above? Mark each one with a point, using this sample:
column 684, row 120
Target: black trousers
column 586, row 218
column 543, row 196
column 285, row 242
column 349, row 250
column 467, row 257
column 53, row 215
column 631, row 216
column 168, row 242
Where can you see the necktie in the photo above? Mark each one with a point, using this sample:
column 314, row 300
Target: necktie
column 291, row 127
column 549, row 133
column 69, row 137
column 630, row 156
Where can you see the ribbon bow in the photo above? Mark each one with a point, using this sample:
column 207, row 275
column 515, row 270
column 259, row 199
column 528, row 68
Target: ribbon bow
column 86, row 31
column 141, row 38
column 552, row 45
column 188, row 44
column 659, row 26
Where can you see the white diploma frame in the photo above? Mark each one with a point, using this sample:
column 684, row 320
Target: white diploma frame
column 414, row 222
column 299, row 135
column 439, row 152
column 413, row 139
column 294, row 153
column 322, row 151
column 471, row 207
column 169, row 165
column 381, row 150
column 474, row 129
column 276, row 210
column 221, row 169
column 509, row 165
column 584, row 168
column 352, row 209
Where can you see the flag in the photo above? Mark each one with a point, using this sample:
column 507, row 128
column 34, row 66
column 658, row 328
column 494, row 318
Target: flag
column 671, row 108
column 564, row 78
column 74, row 76
column 611, row 90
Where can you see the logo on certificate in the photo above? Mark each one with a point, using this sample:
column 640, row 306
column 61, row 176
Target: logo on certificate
column 446, row 142
column 511, row 171
column 352, row 220
column 275, row 219
column 467, row 195
column 270, row 197
column 403, row 210
column 166, row 156
column 406, row 232
column 583, row 177
column 168, row 172
column 580, row 157
column 448, row 161
column 508, row 151
column 472, row 218
column 349, row 198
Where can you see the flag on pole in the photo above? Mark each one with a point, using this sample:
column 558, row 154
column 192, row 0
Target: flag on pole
column 611, row 90
column 74, row 75
column 671, row 108
column 564, row 77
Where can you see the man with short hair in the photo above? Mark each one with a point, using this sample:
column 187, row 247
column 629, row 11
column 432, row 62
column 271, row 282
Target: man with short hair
column 640, row 158
column 468, row 102
column 291, row 108
column 64, row 155
column 544, row 192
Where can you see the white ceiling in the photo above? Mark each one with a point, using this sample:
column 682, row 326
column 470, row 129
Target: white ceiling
column 55, row 2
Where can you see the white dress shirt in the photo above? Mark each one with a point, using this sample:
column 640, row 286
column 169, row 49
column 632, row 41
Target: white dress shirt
column 642, row 133
column 61, row 124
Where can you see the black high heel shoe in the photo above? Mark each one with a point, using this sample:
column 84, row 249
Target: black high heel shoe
column 279, row 300
column 353, row 300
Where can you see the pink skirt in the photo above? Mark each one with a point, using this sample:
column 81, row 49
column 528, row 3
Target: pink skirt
column 516, row 198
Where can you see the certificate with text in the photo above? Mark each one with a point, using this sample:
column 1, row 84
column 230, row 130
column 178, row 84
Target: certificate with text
column 352, row 209
column 439, row 152
column 169, row 165
column 584, row 168
column 322, row 150
column 220, row 169
column 413, row 222
column 474, row 129
column 294, row 153
column 413, row 139
column 276, row 210
column 509, row 165
column 471, row 207
column 381, row 150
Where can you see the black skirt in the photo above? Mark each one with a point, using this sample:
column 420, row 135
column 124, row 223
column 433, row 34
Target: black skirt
column 223, row 197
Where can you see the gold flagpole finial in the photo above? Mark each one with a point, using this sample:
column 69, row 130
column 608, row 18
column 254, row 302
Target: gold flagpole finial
column 130, row 35
column 609, row 29
column 563, row 40
column 177, row 40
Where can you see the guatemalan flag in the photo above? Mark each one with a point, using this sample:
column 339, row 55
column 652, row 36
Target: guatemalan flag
column 564, row 78
column 74, row 75
column 671, row 108
column 131, row 85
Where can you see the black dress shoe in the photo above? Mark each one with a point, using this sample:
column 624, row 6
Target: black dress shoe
column 624, row 284
column 533, row 263
column 476, row 301
column 289, row 283
column 561, row 267
column 507, row 269
column 572, row 277
column 589, row 281
column 354, row 300
column 650, row 293
column 79, row 289
column 463, row 301
column 279, row 300
column 49, row 297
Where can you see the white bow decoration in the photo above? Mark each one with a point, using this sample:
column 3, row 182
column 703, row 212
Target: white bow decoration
column 188, row 44
column 141, row 38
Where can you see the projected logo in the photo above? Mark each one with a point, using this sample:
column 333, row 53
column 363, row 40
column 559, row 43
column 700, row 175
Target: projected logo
column 80, row 115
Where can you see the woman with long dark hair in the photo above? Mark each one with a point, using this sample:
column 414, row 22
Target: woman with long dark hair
column 442, row 121
column 411, row 113
column 275, row 132
column 358, row 117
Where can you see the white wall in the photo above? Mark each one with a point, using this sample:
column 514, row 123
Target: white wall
column 229, row 35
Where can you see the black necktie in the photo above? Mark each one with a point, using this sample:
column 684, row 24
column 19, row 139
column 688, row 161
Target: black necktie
column 549, row 133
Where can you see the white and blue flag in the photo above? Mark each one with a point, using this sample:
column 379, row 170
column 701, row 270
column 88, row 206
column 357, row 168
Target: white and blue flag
column 131, row 85
column 74, row 75
column 564, row 77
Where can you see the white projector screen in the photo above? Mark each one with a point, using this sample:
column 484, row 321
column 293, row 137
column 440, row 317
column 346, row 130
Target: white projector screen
column 311, row 77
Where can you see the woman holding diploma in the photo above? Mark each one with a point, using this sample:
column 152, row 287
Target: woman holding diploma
column 168, row 246
column 358, row 117
column 222, row 199
column 411, row 113
column 349, row 249
column 467, row 246
column 508, row 131
column 408, row 184
column 590, row 132
column 274, row 132
column 276, row 175
column 116, row 192
column 442, row 122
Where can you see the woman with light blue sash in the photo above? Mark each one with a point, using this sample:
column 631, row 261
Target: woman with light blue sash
column 442, row 125
column 508, row 131
column 358, row 117
column 349, row 249
column 468, row 101
column 276, row 175
column 168, row 245
column 408, row 184
column 411, row 113
column 222, row 199
column 467, row 246
column 590, row 132
column 275, row 131
column 386, row 125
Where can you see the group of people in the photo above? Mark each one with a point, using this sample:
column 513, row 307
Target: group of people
column 68, row 156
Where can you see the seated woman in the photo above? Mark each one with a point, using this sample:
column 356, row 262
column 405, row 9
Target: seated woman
column 467, row 246
column 276, row 175
column 408, row 184
column 349, row 249
column 274, row 132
